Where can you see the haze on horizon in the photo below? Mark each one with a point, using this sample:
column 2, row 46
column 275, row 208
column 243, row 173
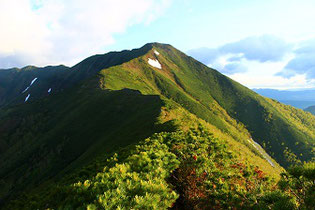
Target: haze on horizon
column 261, row 44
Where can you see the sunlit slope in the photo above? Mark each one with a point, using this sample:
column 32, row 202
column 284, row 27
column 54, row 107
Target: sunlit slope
column 217, row 99
column 37, row 82
column 115, row 100
column 43, row 141
column 172, row 117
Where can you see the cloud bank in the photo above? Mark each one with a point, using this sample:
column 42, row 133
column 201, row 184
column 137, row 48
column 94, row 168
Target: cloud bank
column 303, row 63
column 260, row 48
column 65, row 31
column 262, row 61
column 230, row 57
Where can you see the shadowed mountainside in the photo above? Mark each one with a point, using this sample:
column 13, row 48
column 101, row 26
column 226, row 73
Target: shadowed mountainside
column 113, row 101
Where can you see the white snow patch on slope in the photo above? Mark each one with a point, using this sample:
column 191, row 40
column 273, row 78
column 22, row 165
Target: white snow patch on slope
column 30, row 85
column 33, row 81
column 49, row 90
column 26, row 89
column 27, row 97
column 156, row 52
column 262, row 152
column 154, row 63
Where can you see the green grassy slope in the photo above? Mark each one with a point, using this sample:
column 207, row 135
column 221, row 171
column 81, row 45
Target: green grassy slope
column 186, row 170
column 63, row 132
column 172, row 117
column 54, row 137
column 218, row 100
column 14, row 81
column 49, row 139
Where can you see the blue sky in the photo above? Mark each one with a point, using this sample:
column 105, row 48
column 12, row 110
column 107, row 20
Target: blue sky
column 260, row 43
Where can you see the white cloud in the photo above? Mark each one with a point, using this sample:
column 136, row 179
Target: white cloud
column 229, row 63
column 262, row 48
column 303, row 61
column 262, row 75
column 65, row 31
column 22, row 31
column 274, row 82
column 263, row 62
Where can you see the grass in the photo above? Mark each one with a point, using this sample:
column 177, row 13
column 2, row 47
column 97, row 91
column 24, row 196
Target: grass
column 64, row 132
column 218, row 100
column 67, row 137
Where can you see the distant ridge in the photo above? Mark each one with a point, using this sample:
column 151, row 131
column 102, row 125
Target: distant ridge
column 310, row 109
column 297, row 98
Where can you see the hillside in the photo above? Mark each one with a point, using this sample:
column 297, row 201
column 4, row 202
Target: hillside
column 111, row 103
column 310, row 109
column 16, row 83
column 218, row 100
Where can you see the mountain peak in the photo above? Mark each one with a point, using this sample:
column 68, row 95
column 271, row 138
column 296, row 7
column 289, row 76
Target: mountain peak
column 157, row 44
column 68, row 118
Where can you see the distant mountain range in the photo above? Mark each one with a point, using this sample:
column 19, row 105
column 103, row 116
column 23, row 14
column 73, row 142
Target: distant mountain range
column 297, row 98
column 310, row 109
column 150, row 128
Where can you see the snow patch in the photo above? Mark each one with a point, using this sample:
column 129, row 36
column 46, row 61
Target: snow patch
column 26, row 89
column 262, row 152
column 154, row 63
column 27, row 97
column 33, row 81
column 49, row 90
column 156, row 52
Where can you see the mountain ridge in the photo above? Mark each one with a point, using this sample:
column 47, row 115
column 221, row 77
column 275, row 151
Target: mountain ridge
column 225, row 85
column 69, row 75
column 297, row 98
column 310, row 109
column 96, row 112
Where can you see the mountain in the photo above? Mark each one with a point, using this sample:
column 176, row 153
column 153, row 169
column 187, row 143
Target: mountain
column 310, row 109
column 151, row 114
column 299, row 99
column 16, row 83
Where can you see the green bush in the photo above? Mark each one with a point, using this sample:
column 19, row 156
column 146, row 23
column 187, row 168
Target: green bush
column 183, row 170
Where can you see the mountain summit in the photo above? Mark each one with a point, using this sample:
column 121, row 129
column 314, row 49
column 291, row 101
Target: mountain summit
column 60, row 125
